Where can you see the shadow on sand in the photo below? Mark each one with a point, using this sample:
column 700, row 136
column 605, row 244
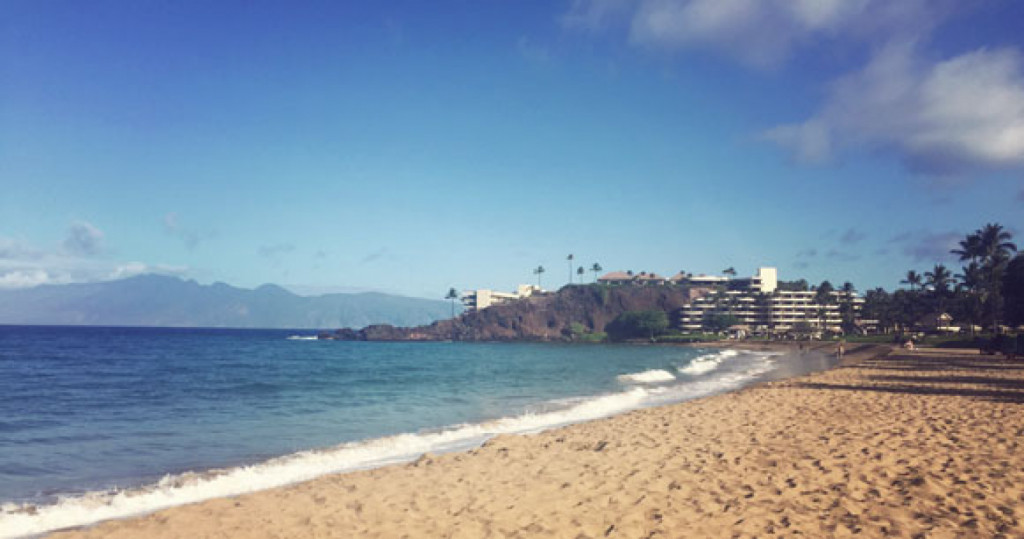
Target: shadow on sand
column 987, row 377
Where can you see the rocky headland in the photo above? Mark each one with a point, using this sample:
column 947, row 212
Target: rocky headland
column 553, row 316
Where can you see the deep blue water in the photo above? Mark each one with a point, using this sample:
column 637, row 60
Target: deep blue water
column 85, row 409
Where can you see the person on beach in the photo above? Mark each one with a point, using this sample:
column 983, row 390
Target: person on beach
column 840, row 348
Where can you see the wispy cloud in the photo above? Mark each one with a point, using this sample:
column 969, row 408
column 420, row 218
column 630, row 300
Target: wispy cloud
column 941, row 115
column 843, row 256
column 276, row 250
column 376, row 255
column 190, row 237
column 761, row 33
column 83, row 239
column 75, row 260
column 533, row 52
column 962, row 114
column 924, row 246
column 852, row 236
column 807, row 253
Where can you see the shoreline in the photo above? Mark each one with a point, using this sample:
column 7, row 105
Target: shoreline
column 893, row 445
column 190, row 487
column 794, row 365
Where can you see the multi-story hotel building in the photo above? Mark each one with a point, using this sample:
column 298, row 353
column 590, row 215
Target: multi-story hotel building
column 758, row 303
column 475, row 300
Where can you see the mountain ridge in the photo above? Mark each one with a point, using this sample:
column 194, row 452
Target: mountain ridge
column 163, row 301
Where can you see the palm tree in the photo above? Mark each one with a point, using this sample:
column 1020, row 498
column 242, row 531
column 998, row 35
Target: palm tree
column 970, row 248
column 538, row 271
column 730, row 271
column 581, row 272
column 913, row 279
column 596, row 268
column 569, row 258
column 452, row 295
column 939, row 279
column 994, row 243
column 990, row 247
column 970, row 290
column 971, row 278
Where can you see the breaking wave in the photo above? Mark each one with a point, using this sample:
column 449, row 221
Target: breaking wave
column 17, row 520
column 653, row 376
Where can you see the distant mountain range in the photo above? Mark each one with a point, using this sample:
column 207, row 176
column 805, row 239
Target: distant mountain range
column 155, row 300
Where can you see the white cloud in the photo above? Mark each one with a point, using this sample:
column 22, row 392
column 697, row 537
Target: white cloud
column 596, row 14
column 23, row 265
column 131, row 269
column 173, row 226
column 966, row 112
column 761, row 33
column 83, row 239
column 25, row 278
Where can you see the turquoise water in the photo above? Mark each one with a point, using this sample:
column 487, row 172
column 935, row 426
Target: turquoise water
column 105, row 422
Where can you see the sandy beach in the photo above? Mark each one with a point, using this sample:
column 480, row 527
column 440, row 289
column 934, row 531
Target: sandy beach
column 910, row 444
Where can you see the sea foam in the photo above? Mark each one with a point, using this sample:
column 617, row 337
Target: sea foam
column 705, row 364
column 653, row 376
column 25, row 520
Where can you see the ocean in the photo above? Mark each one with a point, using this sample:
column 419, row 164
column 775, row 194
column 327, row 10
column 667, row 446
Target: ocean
column 99, row 423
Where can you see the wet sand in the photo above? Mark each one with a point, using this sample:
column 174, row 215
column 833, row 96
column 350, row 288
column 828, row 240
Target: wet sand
column 907, row 445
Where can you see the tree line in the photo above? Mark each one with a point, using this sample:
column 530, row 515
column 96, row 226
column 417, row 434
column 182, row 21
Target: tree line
column 988, row 291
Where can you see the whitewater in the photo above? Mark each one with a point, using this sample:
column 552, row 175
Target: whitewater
column 494, row 389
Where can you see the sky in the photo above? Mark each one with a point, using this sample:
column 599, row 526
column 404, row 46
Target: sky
column 409, row 147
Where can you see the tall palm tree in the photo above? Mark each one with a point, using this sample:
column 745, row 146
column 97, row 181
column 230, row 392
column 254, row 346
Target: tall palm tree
column 569, row 258
column 970, row 248
column 970, row 290
column 994, row 243
column 581, row 271
column 913, row 279
column 452, row 295
column 939, row 279
column 971, row 278
column 991, row 248
column 596, row 268
column 538, row 271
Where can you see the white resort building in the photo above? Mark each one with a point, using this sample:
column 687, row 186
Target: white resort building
column 757, row 302
column 475, row 300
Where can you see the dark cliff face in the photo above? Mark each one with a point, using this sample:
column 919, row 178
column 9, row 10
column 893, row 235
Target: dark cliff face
column 544, row 317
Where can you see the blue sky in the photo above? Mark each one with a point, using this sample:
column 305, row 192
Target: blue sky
column 412, row 146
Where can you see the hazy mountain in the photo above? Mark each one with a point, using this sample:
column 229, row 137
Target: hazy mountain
column 153, row 300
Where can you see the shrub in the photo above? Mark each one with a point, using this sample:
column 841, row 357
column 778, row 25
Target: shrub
column 637, row 325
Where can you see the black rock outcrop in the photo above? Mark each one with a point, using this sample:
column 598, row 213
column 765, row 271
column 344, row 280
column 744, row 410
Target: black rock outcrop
column 542, row 317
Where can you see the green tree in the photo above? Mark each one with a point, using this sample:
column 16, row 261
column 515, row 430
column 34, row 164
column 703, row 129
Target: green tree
column 637, row 324
column 878, row 306
column 938, row 281
column 1013, row 291
column 581, row 272
column 717, row 322
column 452, row 295
column 913, row 279
column 802, row 328
column 596, row 268
column 990, row 247
column 823, row 294
column 569, row 259
column 538, row 271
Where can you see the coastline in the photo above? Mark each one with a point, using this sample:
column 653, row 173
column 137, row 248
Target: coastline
column 896, row 445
